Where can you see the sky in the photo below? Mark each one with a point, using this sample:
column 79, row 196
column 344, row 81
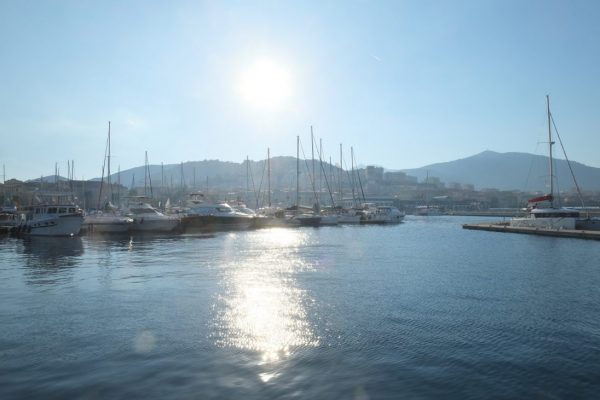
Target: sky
column 405, row 83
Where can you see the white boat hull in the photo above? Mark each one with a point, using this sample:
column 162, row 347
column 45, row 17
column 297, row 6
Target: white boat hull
column 154, row 225
column 106, row 224
column 348, row 219
column 329, row 220
column 65, row 225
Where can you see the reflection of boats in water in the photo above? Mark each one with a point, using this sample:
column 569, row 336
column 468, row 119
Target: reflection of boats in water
column 52, row 251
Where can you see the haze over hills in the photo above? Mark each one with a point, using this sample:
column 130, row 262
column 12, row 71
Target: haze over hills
column 510, row 171
column 489, row 169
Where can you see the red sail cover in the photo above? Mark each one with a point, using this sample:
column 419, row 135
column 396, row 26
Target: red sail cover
column 547, row 197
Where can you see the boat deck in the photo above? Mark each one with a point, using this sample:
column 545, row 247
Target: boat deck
column 504, row 227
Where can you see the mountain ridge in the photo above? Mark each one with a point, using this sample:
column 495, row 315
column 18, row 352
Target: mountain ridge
column 510, row 171
column 487, row 169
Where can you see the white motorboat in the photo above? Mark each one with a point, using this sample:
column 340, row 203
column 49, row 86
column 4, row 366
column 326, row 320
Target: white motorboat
column 394, row 215
column 60, row 219
column 148, row 219
column 215, row 216
column 374, row 214
column 348, row 215
column 101, row 222
column 329, row 219
column 427, row 211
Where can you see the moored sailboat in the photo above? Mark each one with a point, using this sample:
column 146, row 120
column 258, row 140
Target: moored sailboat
column 109, row 220
column 548, row 215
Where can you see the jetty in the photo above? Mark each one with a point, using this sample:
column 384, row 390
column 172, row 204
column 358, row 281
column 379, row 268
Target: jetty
column 505, row 227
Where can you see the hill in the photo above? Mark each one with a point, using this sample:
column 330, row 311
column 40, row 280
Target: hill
column 510, row 171
column 489, row 169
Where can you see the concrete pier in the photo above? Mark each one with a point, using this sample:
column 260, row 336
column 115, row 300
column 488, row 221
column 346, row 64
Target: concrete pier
column 504, row 227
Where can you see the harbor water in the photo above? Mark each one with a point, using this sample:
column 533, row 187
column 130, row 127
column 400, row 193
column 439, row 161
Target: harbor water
column 423, row 309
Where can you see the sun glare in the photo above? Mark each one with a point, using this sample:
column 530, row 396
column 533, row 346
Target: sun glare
column 265, row 84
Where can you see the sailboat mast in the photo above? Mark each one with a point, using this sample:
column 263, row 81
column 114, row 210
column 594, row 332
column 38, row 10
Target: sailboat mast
column 269, row 176
column 341, row 173
column 550, row 143
column 146, row 174
column 108, row 168
column 297, row 172
column 321, row 171
column 352, row 163
column 119, row 185
column 312, row 154
column 247, row 179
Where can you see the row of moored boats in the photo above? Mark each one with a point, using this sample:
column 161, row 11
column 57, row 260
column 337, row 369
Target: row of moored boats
column 63, row 218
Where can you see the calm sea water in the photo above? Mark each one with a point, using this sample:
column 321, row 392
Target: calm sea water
column 424, row 309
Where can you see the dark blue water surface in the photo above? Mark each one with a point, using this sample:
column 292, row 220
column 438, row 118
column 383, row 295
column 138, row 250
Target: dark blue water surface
column 419, row 310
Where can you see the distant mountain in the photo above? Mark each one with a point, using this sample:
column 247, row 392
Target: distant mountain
column 510, row 171
column 49, row 179
column 223, row 175
column 504, row 171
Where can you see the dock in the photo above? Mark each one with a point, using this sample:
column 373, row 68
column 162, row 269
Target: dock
column 504, row 227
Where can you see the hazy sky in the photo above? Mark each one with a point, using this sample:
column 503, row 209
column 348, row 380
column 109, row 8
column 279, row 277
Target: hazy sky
column 407, row 83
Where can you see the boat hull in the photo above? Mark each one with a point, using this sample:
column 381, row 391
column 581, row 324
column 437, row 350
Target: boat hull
column 303, row 220
column 154, row 225
column 106, row 225
column 217, row 223
column 59, row 225
column 588, row 224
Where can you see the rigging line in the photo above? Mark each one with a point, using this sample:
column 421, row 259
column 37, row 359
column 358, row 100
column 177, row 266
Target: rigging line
column 360, row 183
column 252, row 179
column 568, row 162
column 260, row 195
column 102, row 179
column 325, row 175
column 312, row 183
column 350, row 181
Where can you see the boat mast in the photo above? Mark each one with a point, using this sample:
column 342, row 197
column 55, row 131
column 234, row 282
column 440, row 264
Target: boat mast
column 297, row 173
column 321, row 170
column 269, row 176
column 247, row 179
column 550, row 143
column 352, row 163
column 312, row 151
column 340, row 174
column 119, row 186
column 146, row 174
column 108, row 168
column 147, row 178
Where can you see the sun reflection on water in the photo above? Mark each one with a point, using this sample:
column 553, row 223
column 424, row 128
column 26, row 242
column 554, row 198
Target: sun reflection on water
column 262, row 308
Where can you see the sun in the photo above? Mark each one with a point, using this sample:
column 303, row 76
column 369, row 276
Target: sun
column 264, row 84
